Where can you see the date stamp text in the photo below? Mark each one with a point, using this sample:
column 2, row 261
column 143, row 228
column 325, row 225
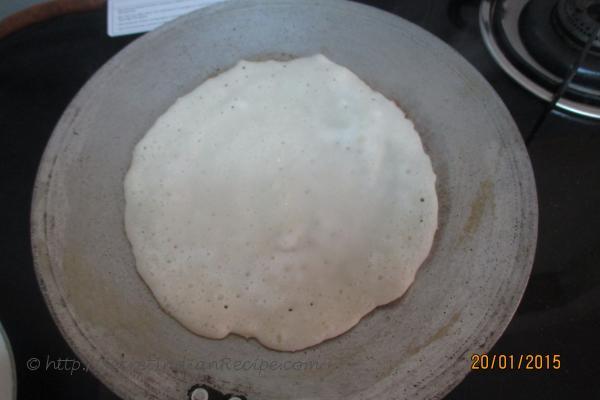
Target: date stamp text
column 532, row 362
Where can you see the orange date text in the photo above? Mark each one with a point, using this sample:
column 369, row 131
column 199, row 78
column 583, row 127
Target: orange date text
column 532, row 362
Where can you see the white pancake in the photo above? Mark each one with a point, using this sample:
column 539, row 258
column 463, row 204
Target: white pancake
column 281, row 201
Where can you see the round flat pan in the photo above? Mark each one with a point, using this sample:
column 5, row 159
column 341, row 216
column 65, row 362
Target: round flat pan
column 418, row 347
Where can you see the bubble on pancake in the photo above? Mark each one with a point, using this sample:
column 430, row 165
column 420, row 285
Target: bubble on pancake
column 281, row 201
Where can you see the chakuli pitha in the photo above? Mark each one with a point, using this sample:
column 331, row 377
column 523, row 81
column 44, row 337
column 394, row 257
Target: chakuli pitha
column 281, row 201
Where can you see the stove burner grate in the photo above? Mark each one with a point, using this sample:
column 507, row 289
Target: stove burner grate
column 545, row 52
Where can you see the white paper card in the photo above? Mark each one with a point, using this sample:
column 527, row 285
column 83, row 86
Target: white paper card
column 134, row 16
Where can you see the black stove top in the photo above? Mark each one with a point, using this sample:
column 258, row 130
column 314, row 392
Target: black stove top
column 43, row 66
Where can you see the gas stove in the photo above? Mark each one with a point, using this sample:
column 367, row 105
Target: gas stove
column 550, row 48
column 541, row 56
